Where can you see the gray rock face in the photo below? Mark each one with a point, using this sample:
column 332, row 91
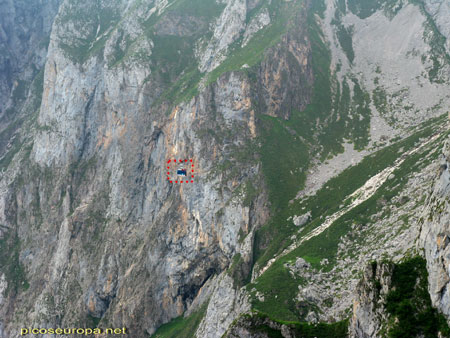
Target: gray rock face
column 440, row 11
column 261, row 20
column 3, row 287
column 368, row 307
column 435, row 236
column 227, row 29
column 24, row 30
column 24, row 34
column 177, row 260
column 302, row 219
column 179, row 25
column 225, row 305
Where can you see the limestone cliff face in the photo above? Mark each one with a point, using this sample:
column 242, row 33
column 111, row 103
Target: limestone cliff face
column 101, row 233
column 435, row 235
column 285, row 76
column 368, row 308
column 393, row 300
column 439, row 10
column 24, row 35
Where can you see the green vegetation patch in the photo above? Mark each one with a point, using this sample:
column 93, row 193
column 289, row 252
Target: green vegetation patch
column 360, row 120
column 437, row 41
column 276, row 284
column 37, row 89
column 174, row 66
column 92, row 21
column 341, row 6
column 182, row 327
column 365, row 8
column 239, row 271
column 285, row 158
column 259, row 323
column 380, row 100
column 198, row 8
column 321, row 330
column 10, row 264
column 6, row 160
column 19, row 93
column 344, row 35
column 171, row 56
column 410, row 305
column 279, row 289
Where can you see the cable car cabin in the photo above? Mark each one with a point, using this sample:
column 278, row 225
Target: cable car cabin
column 181, row 172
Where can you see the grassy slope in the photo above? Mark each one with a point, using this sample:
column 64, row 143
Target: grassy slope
column 277, row 285
column 317, row 130
column 182, row 327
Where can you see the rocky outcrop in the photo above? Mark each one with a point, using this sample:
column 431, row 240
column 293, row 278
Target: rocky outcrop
column 285, row 75
column 24, row 32
column 24, row 35
column 439, row 10
column 368, row 307
column 301, row 220
column 228, row 28
column 435, row 235
column 224, row 306
column 257, row 327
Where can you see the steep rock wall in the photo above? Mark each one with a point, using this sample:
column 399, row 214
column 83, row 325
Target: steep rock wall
column 368, row 308
column 24, row 32
column 435, row 236
column 25, row 28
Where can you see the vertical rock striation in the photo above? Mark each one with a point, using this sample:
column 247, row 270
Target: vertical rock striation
column 368, row 307
column 435, row 235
